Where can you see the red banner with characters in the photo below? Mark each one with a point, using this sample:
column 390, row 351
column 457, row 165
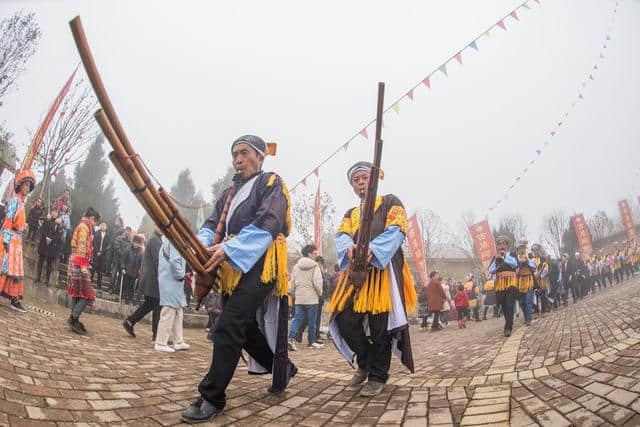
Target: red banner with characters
column 416, row 245
column 483, row 242
column 317, row 224
column 627, row 219
column 584, row 236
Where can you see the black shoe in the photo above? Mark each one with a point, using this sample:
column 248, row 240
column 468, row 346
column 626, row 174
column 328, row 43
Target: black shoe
column 128, row 327
column 292, row 370
column 84, row 330
column 17, row 306
column 507, row 333
column 200, row 411
column 75, row 327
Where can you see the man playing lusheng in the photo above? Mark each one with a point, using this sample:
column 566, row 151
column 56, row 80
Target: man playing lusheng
column 253, row 278
column 504, row 267
column 385, row 297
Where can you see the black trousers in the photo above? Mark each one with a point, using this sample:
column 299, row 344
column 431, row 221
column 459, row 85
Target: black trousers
column 507, row 299
column 128, row 284
column 150, row 304
column 50, row 262
column 435, row 324
column 97, row 267
column 373, row 353
column 237, row 329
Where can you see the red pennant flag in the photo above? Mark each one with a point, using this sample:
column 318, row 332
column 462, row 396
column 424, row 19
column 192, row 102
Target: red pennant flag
column 514, row 15
column 427, row 82
column 410, row 94
column 500, row 24
column 459, row 57
column 315, row 171
column 364, row 133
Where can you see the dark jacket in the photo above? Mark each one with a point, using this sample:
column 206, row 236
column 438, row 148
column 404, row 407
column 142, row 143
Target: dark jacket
column 149, row 279
column 100, row 250
column 119, row 247
column 54, row 232
column 132, row 262
column 34, row 216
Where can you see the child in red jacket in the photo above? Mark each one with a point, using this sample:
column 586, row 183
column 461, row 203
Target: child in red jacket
column 462, row 306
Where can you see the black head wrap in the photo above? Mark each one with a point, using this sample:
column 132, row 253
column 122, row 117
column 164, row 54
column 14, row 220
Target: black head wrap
column 255, row 142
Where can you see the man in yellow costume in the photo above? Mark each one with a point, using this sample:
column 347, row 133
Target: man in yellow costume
column 369, row 323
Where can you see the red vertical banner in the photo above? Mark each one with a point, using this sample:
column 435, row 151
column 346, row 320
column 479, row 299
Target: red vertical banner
column 584, row 236
column 483, row 242
column 627, row 219
column 317, row 225
column 416, row 245
column 37, row 139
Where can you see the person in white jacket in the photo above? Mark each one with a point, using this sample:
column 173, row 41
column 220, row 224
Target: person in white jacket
column 306, row 286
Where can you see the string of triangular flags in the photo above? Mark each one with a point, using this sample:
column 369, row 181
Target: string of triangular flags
column 590, row 77
column 512, row 17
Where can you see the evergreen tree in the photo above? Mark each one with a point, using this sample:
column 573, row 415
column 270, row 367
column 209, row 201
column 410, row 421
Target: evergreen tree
column 222, row 183
column 184, row 192
column 90, row 188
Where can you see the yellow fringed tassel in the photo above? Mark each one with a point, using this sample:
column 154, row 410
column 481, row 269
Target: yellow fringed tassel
column 410, row 297
column 229, row 278
column 275, row 266
column 337, row 293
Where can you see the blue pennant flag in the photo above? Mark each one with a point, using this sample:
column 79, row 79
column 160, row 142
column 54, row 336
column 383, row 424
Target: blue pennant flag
column 473, row 45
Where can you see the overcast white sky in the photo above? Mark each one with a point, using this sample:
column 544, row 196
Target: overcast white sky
column 188, row 77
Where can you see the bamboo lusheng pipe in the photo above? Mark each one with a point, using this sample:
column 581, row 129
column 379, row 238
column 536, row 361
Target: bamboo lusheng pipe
column 101, row 93
column 182, row 223
column 170, row 233
column 153, row 203
column 146, row 199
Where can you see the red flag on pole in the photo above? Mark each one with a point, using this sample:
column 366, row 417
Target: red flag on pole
column 627, row 219
column 584, row 237
column 483, row 242
column 317, row 225
column 416, row 245
column 37, row 139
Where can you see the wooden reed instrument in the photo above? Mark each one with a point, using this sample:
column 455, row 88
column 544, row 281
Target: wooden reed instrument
column 155, row 201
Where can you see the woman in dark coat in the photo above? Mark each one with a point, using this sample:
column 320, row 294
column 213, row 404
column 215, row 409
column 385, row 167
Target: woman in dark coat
column 50, row 244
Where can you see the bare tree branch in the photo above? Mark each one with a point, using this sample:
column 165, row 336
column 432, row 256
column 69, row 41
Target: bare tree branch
column 72, row 129
column 554, row 226
column 19, row 35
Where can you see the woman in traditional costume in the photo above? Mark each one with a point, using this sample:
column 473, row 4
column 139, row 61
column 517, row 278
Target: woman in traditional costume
column 12, row 272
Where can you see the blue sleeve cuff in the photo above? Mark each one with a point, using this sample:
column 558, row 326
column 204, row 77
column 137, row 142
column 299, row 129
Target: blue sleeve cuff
column 385, row 246
column 343, row 242
column 244, row 250
column 511, row 261
column 206, row 235
column 532, row 265
column 492, row 267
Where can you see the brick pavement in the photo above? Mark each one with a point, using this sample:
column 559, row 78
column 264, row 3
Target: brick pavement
column 578, row 366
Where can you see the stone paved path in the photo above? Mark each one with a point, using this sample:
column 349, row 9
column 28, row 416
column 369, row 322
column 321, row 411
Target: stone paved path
column 577, row 366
